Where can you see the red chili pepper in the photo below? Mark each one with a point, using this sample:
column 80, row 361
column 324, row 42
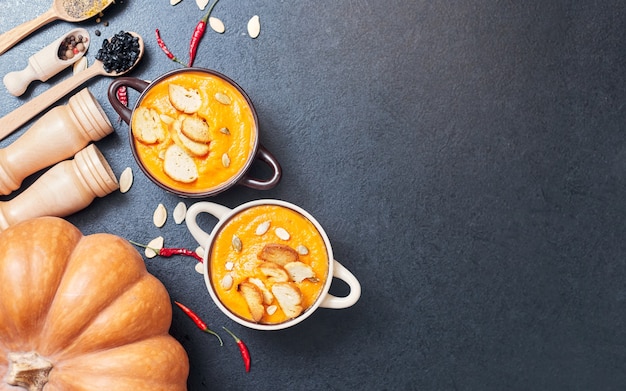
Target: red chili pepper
column 122, row 96
column 163, row 47
column 245, row 353
column 170, row 251
column 196, row 319
column 197, row 35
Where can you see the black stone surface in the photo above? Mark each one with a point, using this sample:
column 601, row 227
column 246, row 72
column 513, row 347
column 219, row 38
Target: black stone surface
column 467, row 159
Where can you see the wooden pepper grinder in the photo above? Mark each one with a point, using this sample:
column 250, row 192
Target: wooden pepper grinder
column 64, row 189
column 56, row 136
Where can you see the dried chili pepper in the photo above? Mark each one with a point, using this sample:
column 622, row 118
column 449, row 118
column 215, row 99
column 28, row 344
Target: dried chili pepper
column 167, row 52
column 245, row 353
column 199, row 322
column 122, row 96
column 170, row 251
column 197, row 35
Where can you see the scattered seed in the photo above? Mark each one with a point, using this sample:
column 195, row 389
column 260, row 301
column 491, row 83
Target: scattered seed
column 271, row 309
column 202, row 4
column 254, row 26
column 302, row 250
column 229, row 265
column 282, row 233
column 236, row 242
column 179, row 212
column 225, row 131
column 80, row 65
column 262, row 228
column 227, row 282
column 222, row 98
column 217, row 25
column 159, row 216
column 200, row 251
column 126, row 179
column 225, row 160
column 155, row 244
column 199, row 268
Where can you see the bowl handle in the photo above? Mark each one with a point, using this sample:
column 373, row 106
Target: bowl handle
column 201, row 236
column 264, row 184
column 345, row 275
column 136, row 84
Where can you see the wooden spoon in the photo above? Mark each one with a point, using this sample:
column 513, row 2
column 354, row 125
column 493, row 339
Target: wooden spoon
column 59, row 10
column 12, row 121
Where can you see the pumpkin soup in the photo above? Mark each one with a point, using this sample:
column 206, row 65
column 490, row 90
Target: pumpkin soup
column 194, row 132
column 268, row 264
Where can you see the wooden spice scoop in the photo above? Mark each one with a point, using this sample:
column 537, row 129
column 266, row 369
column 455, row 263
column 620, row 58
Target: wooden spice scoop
column 69, row 11
column 18, row 117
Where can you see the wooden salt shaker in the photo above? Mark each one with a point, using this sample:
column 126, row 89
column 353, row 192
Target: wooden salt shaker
column 64, row 189
column 44, row 64
column 56, row 136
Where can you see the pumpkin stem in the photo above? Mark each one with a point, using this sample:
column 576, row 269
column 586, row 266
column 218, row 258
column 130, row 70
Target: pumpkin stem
column 28, row 370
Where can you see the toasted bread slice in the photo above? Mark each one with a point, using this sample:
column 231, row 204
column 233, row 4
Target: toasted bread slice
column 280, row 254
column 192, row 147
column 274, row 272
column 147, row 126
column 267, row 295
column 187, row 100
column 254, row 298
column 299, row 271
column 289, row 298
column 179, row 166
column 196, row 129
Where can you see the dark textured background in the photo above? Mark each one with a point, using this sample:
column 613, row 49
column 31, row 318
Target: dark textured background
column 466, row 158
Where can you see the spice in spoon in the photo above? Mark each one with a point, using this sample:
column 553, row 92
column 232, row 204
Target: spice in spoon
column 119, row 53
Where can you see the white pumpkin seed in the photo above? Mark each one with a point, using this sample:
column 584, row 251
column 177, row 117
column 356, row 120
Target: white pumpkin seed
column 159, row 216
column 302, row 250
column 229, row 265
column 262, row 228
column 217, row 25
column 179, row 212
column 225, row 160
column 200, row 251
column 202, row 4
column 80, row 65
column 225, row 131
column 199, row 268
column 271, row 309
column 236, row 242
column 282, row 233
column 153, row 247
column 227, row 282
column 222, row 98
column 254, row 26
column 126, row 179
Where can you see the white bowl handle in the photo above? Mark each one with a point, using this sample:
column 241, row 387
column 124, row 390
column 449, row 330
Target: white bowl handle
column 201, row 236
column 343, row 274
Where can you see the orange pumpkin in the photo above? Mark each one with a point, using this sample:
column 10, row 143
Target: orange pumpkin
column 81, row 313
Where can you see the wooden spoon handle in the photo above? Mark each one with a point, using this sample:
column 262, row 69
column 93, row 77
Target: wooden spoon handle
column 16, row 34
column 18, row 117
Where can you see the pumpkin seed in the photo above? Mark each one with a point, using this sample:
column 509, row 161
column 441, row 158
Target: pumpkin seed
column 202, row 4
column 200, row 251
column 302, row 250
column 159, row 216
column 254, row 26
column 225, row 131
column 227, row 282
column 225, row 160
column 282, row 233
column 222, row 98
column 79, row 65
column 155, row 244
column 262, row 228
column 271, row 309
column 236, row 242
column 126, row 179
column 229, row 265
column 199, row 268
column 217, row 25
column 179, row 212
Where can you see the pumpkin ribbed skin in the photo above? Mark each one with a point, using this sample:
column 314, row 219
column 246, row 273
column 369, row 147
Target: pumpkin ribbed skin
column 87, row 305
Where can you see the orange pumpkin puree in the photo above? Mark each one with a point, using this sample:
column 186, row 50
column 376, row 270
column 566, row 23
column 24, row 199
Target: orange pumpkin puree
column 237, row 117
column 244, row 262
